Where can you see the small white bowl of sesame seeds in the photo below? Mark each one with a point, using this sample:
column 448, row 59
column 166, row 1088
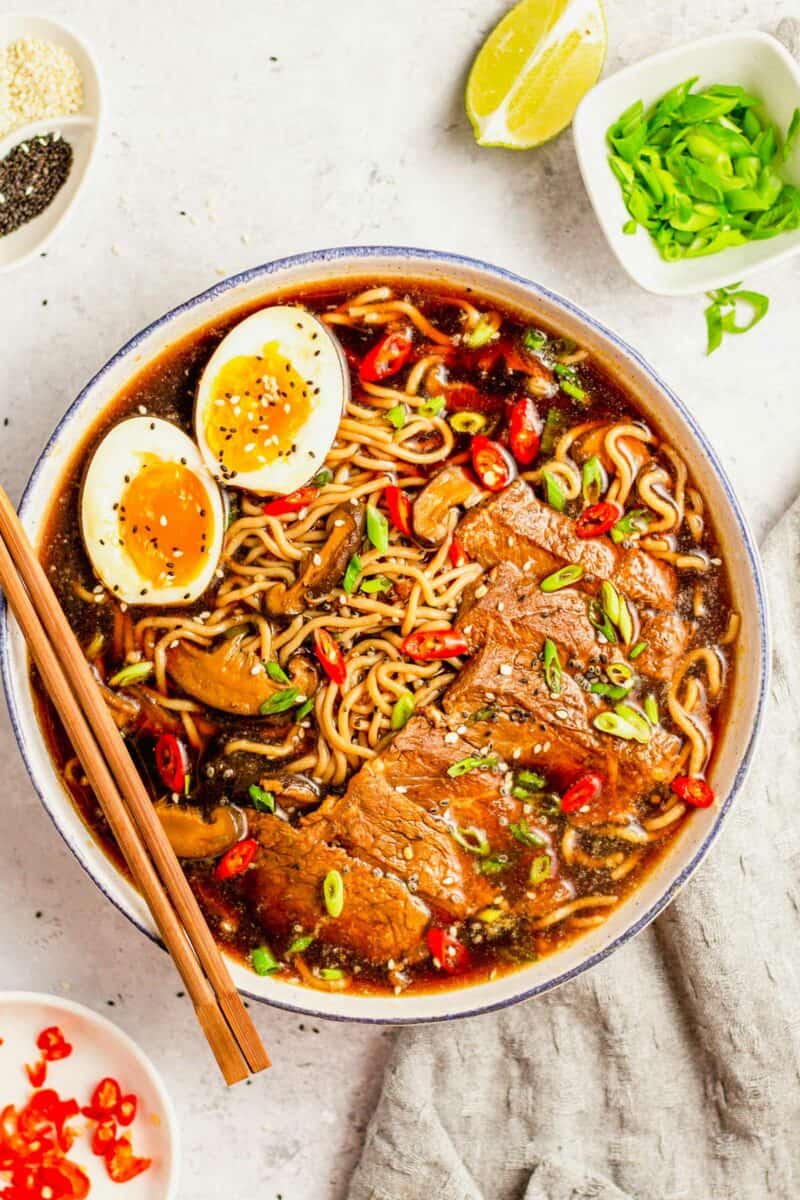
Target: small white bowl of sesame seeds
column 50, row 107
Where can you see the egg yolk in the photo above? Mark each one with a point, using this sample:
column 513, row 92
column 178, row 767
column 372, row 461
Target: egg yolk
column 165, row 523
column 258, row 404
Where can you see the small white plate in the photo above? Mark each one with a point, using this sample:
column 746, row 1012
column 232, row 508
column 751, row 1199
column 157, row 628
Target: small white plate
column 99, row 1049
column 755, row 61
column 80, row 130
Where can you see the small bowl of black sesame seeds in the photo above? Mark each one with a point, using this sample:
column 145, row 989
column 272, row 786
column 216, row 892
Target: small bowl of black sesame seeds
column 48, row 131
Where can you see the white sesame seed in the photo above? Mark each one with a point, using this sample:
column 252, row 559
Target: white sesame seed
column 317, row 560
column 481, row 591
column 451, row 738
column 408, row 853
column 516, row 752
column 401, row 789
column 142, row 410
column 562, row 714
column 505, row 669
column 162, row 520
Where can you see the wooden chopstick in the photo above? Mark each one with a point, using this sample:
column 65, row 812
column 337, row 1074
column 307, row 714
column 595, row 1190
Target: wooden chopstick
column 136, row 827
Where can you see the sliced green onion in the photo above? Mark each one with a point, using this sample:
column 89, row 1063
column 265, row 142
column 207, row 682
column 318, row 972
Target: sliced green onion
column 552, row 668
column 650, row 706
column 494, row 864
column 611, row 691
column 489, row 915
column 568, row 381
column 562, row 578
column 333, row 893
column 630, row 226
column 617, row 726
column 634, row 718
column 331, row 973
column 638, row 649
column 322, row 478
column 377, row 529
column 534, row 339
column 523, row 833
column 304, row 709
column 432, row 407
column 473, row 762
column 610, row 601
column 619, row 673
column 376, row 583
column 791, row 135
column 402, row 710
column 467, row 422
column 351, row 575
column 264, row 961
column 300, row 944
column 599, row 619
column 276, row 672
column 593, row 480
column 624, row 622
column 481, row 334
column 280, row 701
column 553, row 491
column 554, row 425
column 187, row 784
column 397, row 415
column 262, row 801
column 133, row 673
column 635, row 521
column 472, row 840
column 531, row 779
column 540, row 869
column 487, row 713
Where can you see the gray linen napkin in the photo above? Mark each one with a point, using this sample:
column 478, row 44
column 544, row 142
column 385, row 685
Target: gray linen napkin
column 670, row 1071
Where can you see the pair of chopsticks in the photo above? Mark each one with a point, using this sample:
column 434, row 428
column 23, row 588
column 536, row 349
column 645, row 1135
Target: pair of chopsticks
column 126, row 804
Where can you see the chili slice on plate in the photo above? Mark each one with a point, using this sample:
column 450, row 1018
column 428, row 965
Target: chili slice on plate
column 105, row 1098
column 694, row 791
column 597, row 519
column 126, row 1109
column 583, row 791
column 457, row 554
column 387, row 357
column 492, row 463
column 53, row 1044
column 291, row 503
column 104, row 1136
column 329, row 653
column 399, row 505
column 234, row 862
column 524, row 431
column 425, row 645
column 449, row 952
column 122, row 1164
column 172, row 761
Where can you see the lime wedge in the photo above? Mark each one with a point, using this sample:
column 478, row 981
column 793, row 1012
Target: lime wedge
column 533, row 70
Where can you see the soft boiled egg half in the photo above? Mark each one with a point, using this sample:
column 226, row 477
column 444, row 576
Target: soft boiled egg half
column 270, row 400
column 152, row 516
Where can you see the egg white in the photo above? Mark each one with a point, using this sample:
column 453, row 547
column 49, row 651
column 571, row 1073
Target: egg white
column 316, row 356
column 120, row 454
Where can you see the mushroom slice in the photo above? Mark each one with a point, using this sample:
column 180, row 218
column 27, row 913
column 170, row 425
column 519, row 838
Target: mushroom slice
column 192, row 836
column 232, row 678
column 450, row 488
column 323, row 569
column 226, row 777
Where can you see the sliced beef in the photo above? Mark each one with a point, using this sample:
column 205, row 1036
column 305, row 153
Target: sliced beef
column 514, row 526
column 667, row 636
column 380, row 919
column 401, row 808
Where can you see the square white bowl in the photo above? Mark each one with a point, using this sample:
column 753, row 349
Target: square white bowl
column 755, row 61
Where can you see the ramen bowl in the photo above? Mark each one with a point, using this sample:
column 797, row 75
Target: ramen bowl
column 653, row 398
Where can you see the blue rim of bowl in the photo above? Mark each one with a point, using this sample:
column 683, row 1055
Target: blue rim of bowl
column 443, row 258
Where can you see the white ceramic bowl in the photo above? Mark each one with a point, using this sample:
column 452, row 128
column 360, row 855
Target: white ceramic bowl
column 81, row 130
column 99, row 1049
column 755, row 61
column 355, row 265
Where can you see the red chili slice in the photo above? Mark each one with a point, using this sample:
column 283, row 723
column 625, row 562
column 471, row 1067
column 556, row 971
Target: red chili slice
column 53, row 1044
column 428, row 644
column 122, row 1164
column 329, row 653
column 37, row 1072
column 399, row 505
column 387, row 356
column 65, row 1181
column 492, row 463
column 235, row 862
column 524, row 429
column 583, row 791
column 172, row 761
column 291, row 503
column 105, row 1098
column 694, row 791
column 448, row 951
column 457, row 554
column 597, row 519
column 104, row 1136
column 126, row 1109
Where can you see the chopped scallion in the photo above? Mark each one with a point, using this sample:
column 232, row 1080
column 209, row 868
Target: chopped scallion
column 300, row 944
column 562, row 578
column 376, row 583
column 276, row 672
column 534, row 339
column 402, row 710
column 554, row 493
column 377, row 529
column 593, row 480
column 397, row 415
column 333, row 893
column 280, row 702
column 523, row 833
column 552, row 668
column 262, row 801
column 351, row 575
column 264, row 961
column 540, row 869
column 133, row 673
column 473, row 762
column 472, row 840
column 432, row 407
